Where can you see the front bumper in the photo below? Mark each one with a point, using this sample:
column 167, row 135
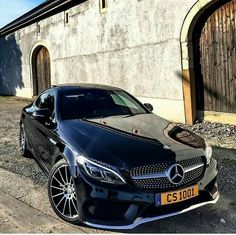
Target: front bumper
column 125, row 207
column 141, row 220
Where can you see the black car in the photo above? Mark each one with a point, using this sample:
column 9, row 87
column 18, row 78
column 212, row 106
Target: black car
column 111, row 162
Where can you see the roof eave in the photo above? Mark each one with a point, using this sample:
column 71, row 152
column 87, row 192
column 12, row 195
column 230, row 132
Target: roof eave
column 33, row 15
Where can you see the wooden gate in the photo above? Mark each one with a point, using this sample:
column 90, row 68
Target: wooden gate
column 217, row 45
column 42, row 70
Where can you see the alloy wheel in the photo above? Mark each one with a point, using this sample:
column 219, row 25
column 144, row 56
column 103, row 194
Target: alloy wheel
column 63, row 192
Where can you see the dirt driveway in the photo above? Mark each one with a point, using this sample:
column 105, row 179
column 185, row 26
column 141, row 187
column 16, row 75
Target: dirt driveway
column 24, row 205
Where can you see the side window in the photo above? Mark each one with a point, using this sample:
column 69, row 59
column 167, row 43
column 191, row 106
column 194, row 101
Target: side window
column 45, row 101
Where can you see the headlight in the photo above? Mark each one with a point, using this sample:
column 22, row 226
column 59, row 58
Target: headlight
column 99, row 172
column 208, row 153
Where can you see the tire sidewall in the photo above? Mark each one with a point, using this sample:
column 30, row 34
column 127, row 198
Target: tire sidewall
column 24, row 149
column 76, row 220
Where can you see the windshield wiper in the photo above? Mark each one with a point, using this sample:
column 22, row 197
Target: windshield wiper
column 92, row 117
column 104, row 116
column 82, row 118
column 133, row 114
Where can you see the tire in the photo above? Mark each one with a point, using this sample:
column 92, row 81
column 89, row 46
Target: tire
column 61, row 193
column 23, row 142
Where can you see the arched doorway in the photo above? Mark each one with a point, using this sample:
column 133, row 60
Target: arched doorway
column 214, row 41
column 208, row 58
column 41, row 70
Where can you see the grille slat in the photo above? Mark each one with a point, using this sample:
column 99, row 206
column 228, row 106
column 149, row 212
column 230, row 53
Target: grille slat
column 163, row 183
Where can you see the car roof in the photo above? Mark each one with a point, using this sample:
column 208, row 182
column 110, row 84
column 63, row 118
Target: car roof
column 85, row 85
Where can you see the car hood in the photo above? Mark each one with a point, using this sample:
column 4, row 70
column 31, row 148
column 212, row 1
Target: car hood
column 127, row 141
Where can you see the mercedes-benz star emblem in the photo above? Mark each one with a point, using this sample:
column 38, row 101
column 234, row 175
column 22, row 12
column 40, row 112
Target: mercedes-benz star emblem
column 175, row 174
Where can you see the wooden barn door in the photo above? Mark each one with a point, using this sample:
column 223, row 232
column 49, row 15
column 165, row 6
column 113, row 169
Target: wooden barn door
column 43, row 70
column 217, row 46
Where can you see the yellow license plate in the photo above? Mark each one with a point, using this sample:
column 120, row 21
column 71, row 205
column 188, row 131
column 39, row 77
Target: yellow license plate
column 177, row 196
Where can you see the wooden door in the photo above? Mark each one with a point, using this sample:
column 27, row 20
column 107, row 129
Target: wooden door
column 217, row 46
column 43, row 70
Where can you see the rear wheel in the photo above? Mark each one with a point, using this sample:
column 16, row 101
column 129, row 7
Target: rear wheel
column 61, row 192
column 23, row 142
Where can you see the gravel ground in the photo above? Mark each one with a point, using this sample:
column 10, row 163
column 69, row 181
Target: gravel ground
column 26, row 182
column 217, row 134
column 10, row 111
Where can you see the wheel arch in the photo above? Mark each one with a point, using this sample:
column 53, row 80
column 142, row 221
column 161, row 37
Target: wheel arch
column 70, row 157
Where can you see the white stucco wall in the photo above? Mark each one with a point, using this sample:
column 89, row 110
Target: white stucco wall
column 135, row 46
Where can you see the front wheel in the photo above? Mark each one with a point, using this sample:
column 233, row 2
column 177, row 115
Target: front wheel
column 61, row 192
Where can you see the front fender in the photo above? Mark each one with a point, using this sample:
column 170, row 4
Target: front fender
column 70, row 156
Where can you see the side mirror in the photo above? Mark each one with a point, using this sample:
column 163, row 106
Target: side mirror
column 149, row 106
column 42, row 115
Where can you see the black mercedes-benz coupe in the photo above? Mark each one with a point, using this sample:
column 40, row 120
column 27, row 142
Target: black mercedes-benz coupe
column 111, row 162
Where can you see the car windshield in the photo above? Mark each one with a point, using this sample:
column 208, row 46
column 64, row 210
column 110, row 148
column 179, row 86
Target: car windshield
column 97, row 103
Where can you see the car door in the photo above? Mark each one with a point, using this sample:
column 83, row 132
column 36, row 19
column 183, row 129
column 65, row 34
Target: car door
column 44, row 132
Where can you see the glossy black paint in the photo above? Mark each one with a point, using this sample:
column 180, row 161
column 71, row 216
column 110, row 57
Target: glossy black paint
column 110, row 140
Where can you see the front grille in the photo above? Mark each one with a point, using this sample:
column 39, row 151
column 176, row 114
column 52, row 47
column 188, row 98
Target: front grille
column 162, row 183
column 190, row 162
column 149, row 169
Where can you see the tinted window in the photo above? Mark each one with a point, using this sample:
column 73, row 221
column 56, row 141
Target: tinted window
column 92, row 103
column 45, row 101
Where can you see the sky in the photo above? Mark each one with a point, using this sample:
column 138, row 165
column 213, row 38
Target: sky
column 12, row 9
